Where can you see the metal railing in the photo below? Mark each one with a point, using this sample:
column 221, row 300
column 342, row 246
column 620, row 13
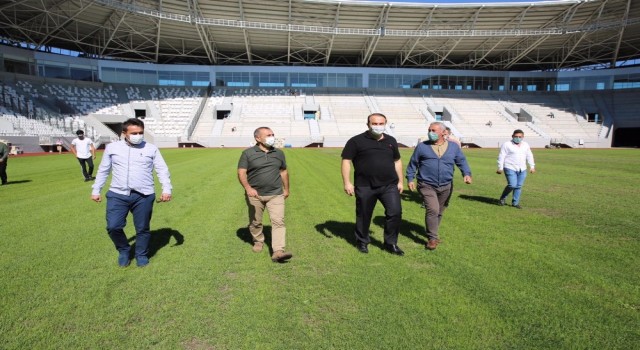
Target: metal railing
column 560, row 29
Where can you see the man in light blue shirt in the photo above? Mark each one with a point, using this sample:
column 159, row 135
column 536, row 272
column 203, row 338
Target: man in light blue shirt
column 131, row 162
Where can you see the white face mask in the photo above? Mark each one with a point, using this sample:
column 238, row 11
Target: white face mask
column 270, row 141
column 136, row 139
column 378, row 129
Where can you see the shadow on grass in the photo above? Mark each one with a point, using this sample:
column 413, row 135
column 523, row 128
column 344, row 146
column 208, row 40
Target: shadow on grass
column 245, row 235
column 339, row 229
column 16, row 182
column 412, row 196
column 482, row 199
column 159, row 239
column 344, row 230
column 408, row 229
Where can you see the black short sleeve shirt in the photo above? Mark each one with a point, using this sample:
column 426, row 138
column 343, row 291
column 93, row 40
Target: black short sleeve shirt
column 373, row 160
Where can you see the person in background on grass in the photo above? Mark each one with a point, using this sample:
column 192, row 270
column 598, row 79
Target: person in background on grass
column 434, row 162
column 4, row 158
column 512, row 160
column 449, row 137
column 131, row 162
column 378, row 177
column 84, row 150
column 262, row 171
column 59, row 146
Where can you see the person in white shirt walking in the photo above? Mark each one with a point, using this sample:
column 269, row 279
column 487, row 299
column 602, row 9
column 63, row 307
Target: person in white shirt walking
column 83, row 148
column 131, row 162
column 512, row 160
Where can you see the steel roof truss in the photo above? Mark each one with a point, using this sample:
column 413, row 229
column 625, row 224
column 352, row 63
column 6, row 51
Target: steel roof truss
column 203, row 31
column 289, row 34
column 518, row 46
column 471, row 25
column 572, row 38
column 336, row 22
column 61, row 26
column 425, row 24
column 247, row 43
column 524, row 48
column 373, row 41
column 19, row 27
column 616, row 51
column 113, row 31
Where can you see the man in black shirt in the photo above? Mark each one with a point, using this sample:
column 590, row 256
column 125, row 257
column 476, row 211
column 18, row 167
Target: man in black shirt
column 4, row 157
column 378, row 176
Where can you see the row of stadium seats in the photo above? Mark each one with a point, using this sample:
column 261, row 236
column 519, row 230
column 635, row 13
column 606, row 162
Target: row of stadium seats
column 172, row 111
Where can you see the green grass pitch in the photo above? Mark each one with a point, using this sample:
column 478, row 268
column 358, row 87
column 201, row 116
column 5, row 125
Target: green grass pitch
column 563, row 273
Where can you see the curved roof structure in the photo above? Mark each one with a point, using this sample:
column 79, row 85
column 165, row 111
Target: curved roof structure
column 542, row 35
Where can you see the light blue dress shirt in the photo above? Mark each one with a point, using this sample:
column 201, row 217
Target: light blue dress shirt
column 132, row 169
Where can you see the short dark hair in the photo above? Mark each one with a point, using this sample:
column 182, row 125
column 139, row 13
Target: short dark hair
column 517, row 131
column 256, row 132
column 132, row 121
column 79, row 132
column 374, row 114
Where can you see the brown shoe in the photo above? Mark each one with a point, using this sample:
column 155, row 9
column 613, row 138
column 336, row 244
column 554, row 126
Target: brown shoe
column 281, row 256
column 257, row 247
column 433, row 244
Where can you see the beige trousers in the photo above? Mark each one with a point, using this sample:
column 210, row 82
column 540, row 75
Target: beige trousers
column 275, row 208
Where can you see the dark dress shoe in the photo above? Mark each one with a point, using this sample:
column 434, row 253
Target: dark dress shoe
column 393, row 249
column 362, row 248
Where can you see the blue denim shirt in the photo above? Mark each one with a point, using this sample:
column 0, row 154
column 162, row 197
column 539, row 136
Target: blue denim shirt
column 132, row 167
column 433, row 170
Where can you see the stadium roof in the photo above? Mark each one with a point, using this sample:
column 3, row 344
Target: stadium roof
column 540, row 35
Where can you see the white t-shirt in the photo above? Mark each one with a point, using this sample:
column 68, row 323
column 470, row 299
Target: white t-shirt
column 83, row 147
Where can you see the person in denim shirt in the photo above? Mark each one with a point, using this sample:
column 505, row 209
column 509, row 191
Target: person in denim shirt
column 434, row 161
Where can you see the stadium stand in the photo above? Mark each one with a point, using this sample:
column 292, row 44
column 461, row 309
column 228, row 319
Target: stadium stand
column 301, row 117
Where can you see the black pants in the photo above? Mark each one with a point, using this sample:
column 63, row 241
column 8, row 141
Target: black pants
column 83, row 165
column 3, row 171
column 366, row 199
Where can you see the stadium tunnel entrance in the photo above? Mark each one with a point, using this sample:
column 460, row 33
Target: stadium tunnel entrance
column 626, row 137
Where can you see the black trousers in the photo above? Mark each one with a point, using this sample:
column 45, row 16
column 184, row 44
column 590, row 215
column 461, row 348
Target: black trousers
column 83, row 164
column 3, row 171
column 366, row 199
